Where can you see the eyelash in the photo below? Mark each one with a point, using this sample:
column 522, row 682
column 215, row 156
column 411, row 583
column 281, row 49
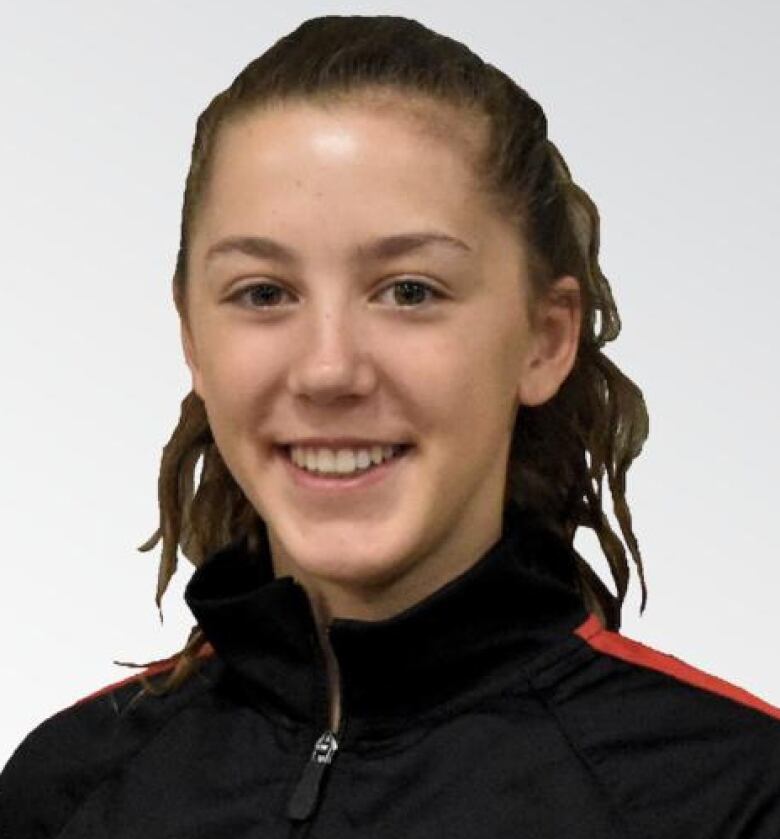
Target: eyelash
column 241, row 293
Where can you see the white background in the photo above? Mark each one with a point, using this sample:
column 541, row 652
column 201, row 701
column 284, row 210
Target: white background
column 667, row 114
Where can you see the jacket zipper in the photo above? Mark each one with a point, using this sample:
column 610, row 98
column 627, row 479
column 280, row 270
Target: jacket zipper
column 306, row 794
column 307, row 790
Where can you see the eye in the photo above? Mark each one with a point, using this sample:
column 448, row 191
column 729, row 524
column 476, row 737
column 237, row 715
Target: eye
column 265, row 294
column 411, row 292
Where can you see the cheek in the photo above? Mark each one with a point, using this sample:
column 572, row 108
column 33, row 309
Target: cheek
column 487, row 354
column 458, row 380
column 238, row 374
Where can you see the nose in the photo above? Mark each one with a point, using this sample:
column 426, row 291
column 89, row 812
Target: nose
column 332, row 362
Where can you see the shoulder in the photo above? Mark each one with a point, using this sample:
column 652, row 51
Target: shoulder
column 689, row 750
column 67, row 756
column 675, row 671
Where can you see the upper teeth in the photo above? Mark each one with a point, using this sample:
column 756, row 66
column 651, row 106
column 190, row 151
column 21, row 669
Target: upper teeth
column 341, row 461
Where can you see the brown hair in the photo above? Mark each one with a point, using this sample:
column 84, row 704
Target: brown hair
column 595, row 424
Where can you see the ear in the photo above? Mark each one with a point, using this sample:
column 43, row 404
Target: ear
column 188, row 344
column 554, row 341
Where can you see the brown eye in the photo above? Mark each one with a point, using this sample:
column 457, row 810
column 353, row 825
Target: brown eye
column 262, row 295
column 412, row 293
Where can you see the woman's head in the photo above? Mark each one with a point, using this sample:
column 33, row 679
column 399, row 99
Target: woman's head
column 346, row 132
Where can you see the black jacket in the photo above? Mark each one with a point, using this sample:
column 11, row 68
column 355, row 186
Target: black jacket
column 497, row 707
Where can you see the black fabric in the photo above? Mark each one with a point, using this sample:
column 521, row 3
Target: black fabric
column 477, row 712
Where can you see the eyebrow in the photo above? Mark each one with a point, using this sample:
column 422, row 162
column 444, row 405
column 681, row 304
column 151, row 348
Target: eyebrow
column 386, row 247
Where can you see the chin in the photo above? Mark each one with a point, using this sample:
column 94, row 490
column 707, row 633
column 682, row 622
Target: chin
column 347, row 559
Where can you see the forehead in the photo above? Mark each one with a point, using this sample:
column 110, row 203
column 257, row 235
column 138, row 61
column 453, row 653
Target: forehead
column 372, row 150
column 464, row 130
column 329, row 179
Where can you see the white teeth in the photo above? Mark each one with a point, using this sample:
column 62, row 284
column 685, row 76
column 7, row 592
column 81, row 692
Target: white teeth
column 345, row 461
column 326, row 460
column 341, row 461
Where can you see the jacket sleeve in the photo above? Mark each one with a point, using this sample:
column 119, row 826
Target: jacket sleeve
column 67, row 756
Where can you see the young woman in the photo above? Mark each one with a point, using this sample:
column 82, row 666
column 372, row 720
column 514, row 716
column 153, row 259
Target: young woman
column 393, row 313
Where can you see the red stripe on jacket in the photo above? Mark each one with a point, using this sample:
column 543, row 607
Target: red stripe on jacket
column 154, row 668
column 619, row 646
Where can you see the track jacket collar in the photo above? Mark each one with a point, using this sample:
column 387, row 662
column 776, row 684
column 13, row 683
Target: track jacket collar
column 516, row 601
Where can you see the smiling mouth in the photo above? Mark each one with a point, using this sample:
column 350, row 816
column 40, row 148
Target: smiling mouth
column 344, row 463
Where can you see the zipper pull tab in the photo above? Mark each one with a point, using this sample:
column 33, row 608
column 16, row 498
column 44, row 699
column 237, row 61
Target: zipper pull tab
column 306, row 794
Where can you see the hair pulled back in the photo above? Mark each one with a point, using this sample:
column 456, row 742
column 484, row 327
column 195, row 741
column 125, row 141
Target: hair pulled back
column 596, row 423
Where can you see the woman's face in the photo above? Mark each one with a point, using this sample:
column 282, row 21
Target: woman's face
column 370, row 297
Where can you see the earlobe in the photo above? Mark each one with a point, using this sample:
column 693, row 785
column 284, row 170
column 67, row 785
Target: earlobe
column 554, row 344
